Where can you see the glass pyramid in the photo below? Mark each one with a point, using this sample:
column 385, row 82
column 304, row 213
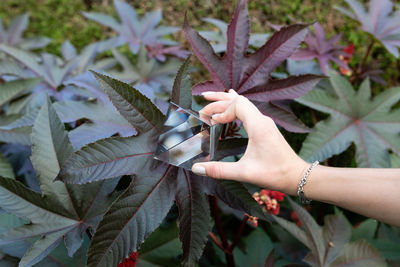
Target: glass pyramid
column 187, row 138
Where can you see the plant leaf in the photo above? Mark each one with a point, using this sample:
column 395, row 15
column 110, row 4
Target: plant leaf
column 370, row 124
column 194, row 219
column 182, row 89
column 132, row 105
column 359, row 253
column 325, row 50
column 313, row 233
column 336, row 233
column 379, row 21
column 234, row 194
column 50, row 149
column 107, row 158
column 136, row 213
column 251, row 73
column 14, row 89
column 6, row 169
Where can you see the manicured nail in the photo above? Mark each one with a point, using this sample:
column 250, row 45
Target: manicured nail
column 199, row 170
column 208, row 93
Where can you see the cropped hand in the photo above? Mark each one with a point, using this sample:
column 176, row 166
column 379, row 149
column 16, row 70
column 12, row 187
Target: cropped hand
column 268, row 161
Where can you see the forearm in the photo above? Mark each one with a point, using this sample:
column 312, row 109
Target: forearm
column 373, row 193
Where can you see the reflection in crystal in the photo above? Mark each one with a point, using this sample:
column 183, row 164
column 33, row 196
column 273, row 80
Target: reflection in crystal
column 185, row 138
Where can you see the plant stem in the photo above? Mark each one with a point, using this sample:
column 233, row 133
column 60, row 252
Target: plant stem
column 230, row 262
column 239, row 233
column 364, row 61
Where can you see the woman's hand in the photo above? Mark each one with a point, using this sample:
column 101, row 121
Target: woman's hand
column 269, row 161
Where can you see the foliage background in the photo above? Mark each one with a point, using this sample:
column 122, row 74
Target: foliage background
column 62, row 19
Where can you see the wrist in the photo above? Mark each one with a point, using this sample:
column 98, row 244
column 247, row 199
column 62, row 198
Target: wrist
column 293, row 174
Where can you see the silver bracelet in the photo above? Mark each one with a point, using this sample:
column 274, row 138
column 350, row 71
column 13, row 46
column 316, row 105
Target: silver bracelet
column 303, row 182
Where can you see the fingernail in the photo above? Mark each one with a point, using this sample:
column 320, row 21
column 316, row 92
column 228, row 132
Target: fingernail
column 199, row 170
column 215, row 116
column 208, row 93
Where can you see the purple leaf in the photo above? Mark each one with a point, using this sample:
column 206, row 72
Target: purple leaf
column 133, row 30
column 206, row 86
column 251, row 73
column 281, row 45
column 282, row 116
column 205, row 53
column 289, row 88
column 323, row 49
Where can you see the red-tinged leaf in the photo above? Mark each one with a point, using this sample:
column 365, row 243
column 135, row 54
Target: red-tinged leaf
column 270, row 260
column 207, row 86
column 238, row 40
column 325, row 50
column 133, row 106
column 181, row 90
column 336, row 233
column 289, row 88
column 234, row 194
column 281, row 45
column 282, row 116
column 243, row 72
column 107, row 158
column 194, row 218
column 205, row 53
column 133, row 217
column 359, row 253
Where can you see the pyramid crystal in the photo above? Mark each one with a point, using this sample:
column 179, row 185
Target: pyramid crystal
column 185, row 139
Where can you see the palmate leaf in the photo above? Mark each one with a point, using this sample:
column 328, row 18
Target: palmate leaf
column 219, row 40
column 13, row 35
column 181, row 91
column 380, row 21
column 132, row 105
column 147, row 75
column 134, row 30
column 370, row 124
column 359, row 253
column 6, row 169
column 154, row 187
column 249, row 75
column 321, row 48
column 330, row 245
column 19, row 135
column 13, row 89
column 194, row 216
column 137, row 213
column 58, row 211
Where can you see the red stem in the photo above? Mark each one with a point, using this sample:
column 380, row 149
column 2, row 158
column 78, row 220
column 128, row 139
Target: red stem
column 239, row 233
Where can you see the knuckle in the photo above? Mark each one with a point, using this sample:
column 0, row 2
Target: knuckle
column 215, row 171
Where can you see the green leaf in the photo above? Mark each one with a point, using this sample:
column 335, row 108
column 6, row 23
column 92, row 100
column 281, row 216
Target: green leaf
column 235, row 195
column 370, row 124
column 182, row 89
column 313, row 232
column 395, row 161
column 194, row 218
column 336, row 233
column 6, row 169
column 13, row 89
column 161, row 248
column 15, row 136
column 133, row 106
column 50, row 149
column 136, row 213
column 258, row 246
column 359, row 253
column 41, row 248
column 366, row 230
column 107, row 158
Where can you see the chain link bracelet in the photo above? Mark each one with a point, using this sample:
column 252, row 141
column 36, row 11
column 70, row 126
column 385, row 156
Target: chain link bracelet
column 303, row 182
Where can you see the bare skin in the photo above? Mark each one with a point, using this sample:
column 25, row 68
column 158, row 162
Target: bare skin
column 271, row 163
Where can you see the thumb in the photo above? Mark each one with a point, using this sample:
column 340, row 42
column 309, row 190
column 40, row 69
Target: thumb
column 219, row 170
